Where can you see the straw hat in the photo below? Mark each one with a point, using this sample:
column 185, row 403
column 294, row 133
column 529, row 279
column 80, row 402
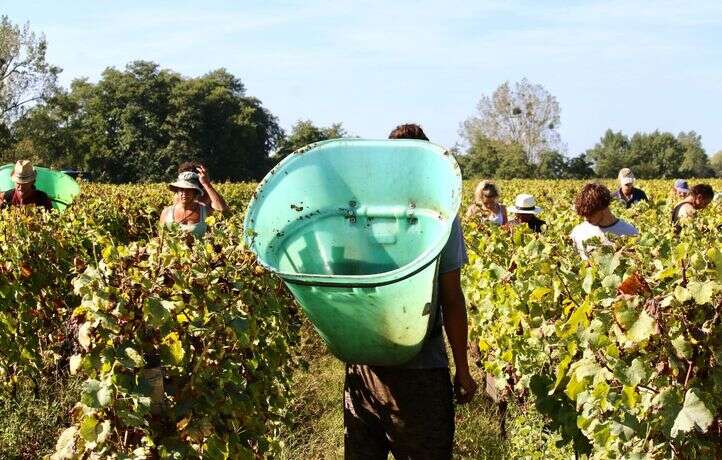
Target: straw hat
column 187, row 180
column 24, row 172
column 525, row 204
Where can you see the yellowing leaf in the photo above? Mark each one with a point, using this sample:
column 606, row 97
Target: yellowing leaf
column 694, row 414
column 642, row 329
column 84, row 335
column 65, row 447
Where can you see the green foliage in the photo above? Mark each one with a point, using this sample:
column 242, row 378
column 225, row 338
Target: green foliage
column 303, row 133
column 620, row 353
column 650, row 155
column 138, row 124
column 97, row 293
column 716, row 163
column 489, row 158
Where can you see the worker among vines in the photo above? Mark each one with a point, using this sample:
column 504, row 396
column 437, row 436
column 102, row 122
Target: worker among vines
column 592, row 203
column 628, row 194
column 188, row 210
column 526, row 212
column 408, row 410
column 25, row 193
column 486, row 207
column 700, row 196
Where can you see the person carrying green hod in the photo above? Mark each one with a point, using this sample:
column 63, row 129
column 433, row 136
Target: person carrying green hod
column 408, row 410
column 25, row 193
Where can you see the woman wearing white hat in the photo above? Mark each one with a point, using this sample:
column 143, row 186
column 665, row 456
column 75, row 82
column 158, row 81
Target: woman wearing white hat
column 187, row 212
column 25, row 193
column 525, row 211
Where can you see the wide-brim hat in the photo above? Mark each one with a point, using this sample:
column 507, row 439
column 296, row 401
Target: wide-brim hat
column 24, row 172
column 525, row 204
column 187, row 180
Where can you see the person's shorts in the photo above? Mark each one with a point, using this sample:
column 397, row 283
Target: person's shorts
column 408, row 412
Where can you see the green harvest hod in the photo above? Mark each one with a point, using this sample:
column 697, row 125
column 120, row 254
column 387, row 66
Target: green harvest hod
column 355, row 228
column 60, row 187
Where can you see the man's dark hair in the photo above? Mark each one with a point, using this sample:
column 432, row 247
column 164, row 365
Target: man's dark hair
column 408, row 131
column 703, row 190
column 593, row 197
column 186, row 166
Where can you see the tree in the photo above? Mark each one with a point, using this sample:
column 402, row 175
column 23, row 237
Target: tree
column 579, row 168
column 716, row 163
column 304, row 132
column 695, row 162
column 25, row 76
column 610, row 154
column 552, row 165
column 490, row 158
column 138, row 124
column 527, row 115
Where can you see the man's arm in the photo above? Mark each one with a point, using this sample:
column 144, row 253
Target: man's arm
column 457, row 328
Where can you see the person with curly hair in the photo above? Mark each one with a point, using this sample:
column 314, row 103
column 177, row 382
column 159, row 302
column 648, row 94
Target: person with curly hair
column 592, row 203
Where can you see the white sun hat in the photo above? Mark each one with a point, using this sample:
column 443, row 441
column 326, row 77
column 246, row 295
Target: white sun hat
column 525, row 204
column 187, row 180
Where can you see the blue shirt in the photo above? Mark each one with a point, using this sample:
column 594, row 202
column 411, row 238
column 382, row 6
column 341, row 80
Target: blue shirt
column 452, row 257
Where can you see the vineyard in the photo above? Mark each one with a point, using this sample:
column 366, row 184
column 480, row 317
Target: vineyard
column 619, row 355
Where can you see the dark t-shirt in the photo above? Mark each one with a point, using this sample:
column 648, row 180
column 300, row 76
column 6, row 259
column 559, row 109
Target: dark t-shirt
column 433, row 352
column 39, row 198
column 637, row 196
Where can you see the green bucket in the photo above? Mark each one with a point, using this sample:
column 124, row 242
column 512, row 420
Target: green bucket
column 355, row 228
column 60, row 187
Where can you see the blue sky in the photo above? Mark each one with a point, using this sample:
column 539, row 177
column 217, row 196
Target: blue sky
column 626, row 65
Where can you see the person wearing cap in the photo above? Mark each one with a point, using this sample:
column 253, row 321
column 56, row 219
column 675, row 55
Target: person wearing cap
column 592, row 203
column 681, row 188
column 486, row 206
column 628, row 194
column 25, row 193
column 187, row 212
column 526, row 211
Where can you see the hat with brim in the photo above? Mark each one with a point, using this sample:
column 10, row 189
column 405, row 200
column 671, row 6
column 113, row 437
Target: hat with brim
column 24, row 172
column 187, row 180
column 626, row 180
column 525, row 204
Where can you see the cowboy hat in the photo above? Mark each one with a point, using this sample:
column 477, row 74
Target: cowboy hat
column 24, row 172
column 525, row 204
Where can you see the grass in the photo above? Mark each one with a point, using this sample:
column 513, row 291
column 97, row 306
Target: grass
column 318, row 410
column 31, row 421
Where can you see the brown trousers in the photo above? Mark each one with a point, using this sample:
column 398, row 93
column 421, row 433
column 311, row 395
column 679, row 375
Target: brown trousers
column 408, row 412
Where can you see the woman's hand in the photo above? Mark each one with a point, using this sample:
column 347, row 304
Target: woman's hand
column 203, row 176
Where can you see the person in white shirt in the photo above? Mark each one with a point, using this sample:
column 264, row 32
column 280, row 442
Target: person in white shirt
column 592, row 203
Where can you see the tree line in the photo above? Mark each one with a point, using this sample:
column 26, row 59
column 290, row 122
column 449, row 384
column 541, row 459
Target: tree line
column 137, row 124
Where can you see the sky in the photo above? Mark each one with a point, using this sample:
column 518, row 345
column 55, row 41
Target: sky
column 626, row 65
